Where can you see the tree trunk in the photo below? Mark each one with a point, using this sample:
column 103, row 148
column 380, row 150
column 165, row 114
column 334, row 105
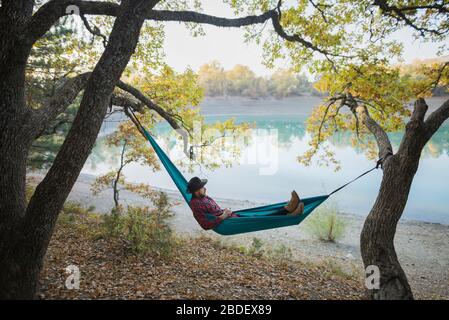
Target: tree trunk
column 14, row 119
column 23, row 250
column 377, row 237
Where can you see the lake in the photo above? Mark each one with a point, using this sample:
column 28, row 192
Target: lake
column 267, row 169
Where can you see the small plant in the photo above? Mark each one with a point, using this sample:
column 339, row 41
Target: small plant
column 256, row 247
column 281, row 252
column 161, row 238
column 72, row 211
column 326, row 224
column 333, row 268
column 137, row 225
column 113, row 223
column 144, row 229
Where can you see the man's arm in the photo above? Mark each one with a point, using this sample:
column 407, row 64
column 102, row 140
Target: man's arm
column 202, row 219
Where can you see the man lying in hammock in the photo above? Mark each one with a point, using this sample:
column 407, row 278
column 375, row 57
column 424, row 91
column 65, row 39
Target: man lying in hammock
column 201, row 205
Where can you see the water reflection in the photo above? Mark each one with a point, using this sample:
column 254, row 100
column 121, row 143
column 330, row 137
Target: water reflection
column 428, row 201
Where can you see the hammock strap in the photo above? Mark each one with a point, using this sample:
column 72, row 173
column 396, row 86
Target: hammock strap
column 379, row 163
column 348, row 183
column 130, row 113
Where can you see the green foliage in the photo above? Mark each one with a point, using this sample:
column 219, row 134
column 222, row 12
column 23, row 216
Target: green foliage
column 113, row 223
column 137, row 226
column 332, row 267
column 143, row 229
column 256, row 247
column 73, row 211
column 326, row 224
column 280, row 252
column 354, row 53
column 61, row 53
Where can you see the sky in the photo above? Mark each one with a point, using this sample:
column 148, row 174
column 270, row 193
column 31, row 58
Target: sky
column 227, row 45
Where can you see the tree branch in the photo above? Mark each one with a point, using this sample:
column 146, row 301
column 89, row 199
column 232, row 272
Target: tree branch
column 49, row 13
column 94, row 31
column 295, row 37
column 71, row 88
column 419, row 110
column 147, row 102
column 383, row 142
column 436, row 118
column 416, row 131
column 400, row 14
column 196, row 17
column 63, row 97
column 152, row 106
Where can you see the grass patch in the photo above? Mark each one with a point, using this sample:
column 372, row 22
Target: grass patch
column 326, row 224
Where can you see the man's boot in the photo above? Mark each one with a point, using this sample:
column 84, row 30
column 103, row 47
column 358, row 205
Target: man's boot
column 298, row 211
column 293, row 203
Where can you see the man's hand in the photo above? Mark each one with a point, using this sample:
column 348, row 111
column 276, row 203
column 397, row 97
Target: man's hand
column 226, row 214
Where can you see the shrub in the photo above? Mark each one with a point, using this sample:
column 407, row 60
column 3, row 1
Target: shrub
column 256, row 247
column 143, row 229
column 113, row 223
column 326, row 224
column 280, row 252
column 161, row 237
column 72, row 211
column 137, row 225
column 332, row 267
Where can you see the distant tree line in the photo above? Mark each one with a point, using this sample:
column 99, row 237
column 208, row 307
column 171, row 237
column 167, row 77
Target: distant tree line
column 242, row 81
column 422, row 69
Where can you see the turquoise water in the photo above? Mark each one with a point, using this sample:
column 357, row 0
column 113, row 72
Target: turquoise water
column 267, row 170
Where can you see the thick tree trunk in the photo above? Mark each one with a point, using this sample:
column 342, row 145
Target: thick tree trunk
column 22, row 253
column 14, row 117
column 377, row 237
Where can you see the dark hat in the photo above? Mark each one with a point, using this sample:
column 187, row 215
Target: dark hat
column 195, row 184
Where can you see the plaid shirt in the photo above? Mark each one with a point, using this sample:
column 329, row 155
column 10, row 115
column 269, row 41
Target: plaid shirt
column 206, row 205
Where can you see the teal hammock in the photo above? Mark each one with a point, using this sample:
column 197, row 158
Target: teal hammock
column 249, row 220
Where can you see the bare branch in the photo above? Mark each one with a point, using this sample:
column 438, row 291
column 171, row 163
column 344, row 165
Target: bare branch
column 147, row 102
column 318, row 7
column 47, row 15
column 419, row 110
column 400, row 14
column 94, row 31
column 323, row 120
